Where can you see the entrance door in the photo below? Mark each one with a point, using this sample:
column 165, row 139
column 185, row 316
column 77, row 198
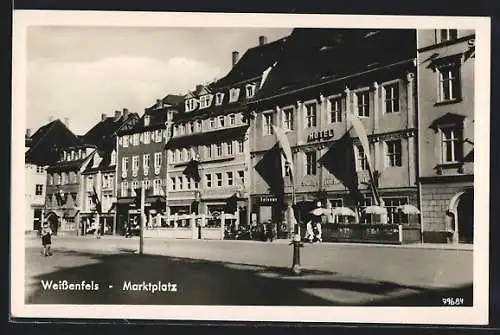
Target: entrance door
column 465, row 211
column 37, row 219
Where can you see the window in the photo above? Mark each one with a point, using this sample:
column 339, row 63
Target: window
column 221, row 121
column 451, row 145
column 218, row 177
column 188, row 182
column 157, row 159
column 40, row 169
column 211, row 123
column 229, row 178
column 232, row 119
column 364, row 217
column 198, row 125
column 209, row 151
column 335, row 110
column 90, row 183
column 180, row 182
column 72, row 177
column 267, row 125
column 206, row 100
column 50, row 179
column 38, row 189
column 336, row 203
column 241, row 147
column 177, row 155
column 113, row 158
column 190, row 104
column 234, row 94
column 158, row 135
column 229, row 148
column 135, row 163
column 172, row 183
column 361, row 160
column 147, row 118
column 63, row 179
column 447, row 35
column 311, row 163
column 218, row 148
column 125, row 164
column 363, row 107
column 157, row 187
column 250, row 90
column 311, row 115
column 191, row 127
column 241, row 177
column 449, row 83
column 288, row 119
column 146, row 137
column 208, row 180
column 57, row 179
column 176, row 130
column 393, row 150
column 125, row 141
column 135, row 139
column 219, row 97
column 134, row 187
column 395, row 216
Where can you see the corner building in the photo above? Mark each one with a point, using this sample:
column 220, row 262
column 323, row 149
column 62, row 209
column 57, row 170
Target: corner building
column 322, row 75
column 446, row 137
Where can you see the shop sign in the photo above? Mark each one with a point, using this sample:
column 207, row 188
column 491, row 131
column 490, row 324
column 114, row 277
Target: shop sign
column 268, row 199
column 320, row 135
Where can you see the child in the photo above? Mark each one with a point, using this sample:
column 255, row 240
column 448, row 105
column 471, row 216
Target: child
column 46, row 239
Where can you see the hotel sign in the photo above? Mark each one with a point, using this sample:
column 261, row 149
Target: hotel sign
column 320, row 135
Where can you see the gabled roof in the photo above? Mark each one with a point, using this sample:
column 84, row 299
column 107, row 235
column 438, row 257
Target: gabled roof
column 102, row 134
column 47, row 141
column 314, row 56
column 103, row 164
column 248, row 70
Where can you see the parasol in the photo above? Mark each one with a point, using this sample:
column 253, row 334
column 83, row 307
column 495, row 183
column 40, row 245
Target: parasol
column 320, row 211
column 378, row 210
column 344, row 211
column 408, row 209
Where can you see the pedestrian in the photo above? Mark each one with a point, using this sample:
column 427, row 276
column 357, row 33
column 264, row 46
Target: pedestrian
column 46, row 239
column 270, row 230
column 309, row 231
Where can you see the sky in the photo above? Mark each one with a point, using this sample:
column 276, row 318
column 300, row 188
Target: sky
column 83, row 72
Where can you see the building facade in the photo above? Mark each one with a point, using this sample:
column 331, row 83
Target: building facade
column 63, row 202
column 141, row 163
column 41, row 150
column 324, row 77
column 446, row 134
column 99, row 177
column 211, row 132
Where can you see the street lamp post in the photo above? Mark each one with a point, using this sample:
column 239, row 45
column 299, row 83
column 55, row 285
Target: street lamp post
column 296, row 241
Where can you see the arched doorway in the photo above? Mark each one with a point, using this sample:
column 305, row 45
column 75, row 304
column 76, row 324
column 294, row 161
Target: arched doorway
column 465, row 217
column 53, row 221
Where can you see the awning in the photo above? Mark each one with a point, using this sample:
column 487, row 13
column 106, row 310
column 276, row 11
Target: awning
column 207, row 137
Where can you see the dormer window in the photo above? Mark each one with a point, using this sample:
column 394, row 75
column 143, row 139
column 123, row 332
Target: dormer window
column 147, row 119
column 234, row 94
column 206, row 101
column 250, row 90
column 219, row 97
column 191, row 104
column 113, row 158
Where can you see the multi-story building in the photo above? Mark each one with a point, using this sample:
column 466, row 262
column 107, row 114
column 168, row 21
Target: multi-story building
column 64, row 196
column 446, row 133
column 212, row 130
column 41, row 150
column 99, row 175
column 324, row 76
column 141, row 163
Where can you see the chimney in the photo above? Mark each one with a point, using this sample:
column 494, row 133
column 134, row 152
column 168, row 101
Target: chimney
column 103, row 116
column 262, row 40
column 198, row 88
column 125, row 112
column 118, row 114
column 28, row 132
column 66, row 122
column 236, row 55
column 159, row 103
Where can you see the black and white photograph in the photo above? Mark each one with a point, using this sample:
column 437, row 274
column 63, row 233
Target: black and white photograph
column 250, row 167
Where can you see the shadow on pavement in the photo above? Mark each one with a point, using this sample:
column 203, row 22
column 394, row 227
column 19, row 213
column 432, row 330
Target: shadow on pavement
column 200, row 282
